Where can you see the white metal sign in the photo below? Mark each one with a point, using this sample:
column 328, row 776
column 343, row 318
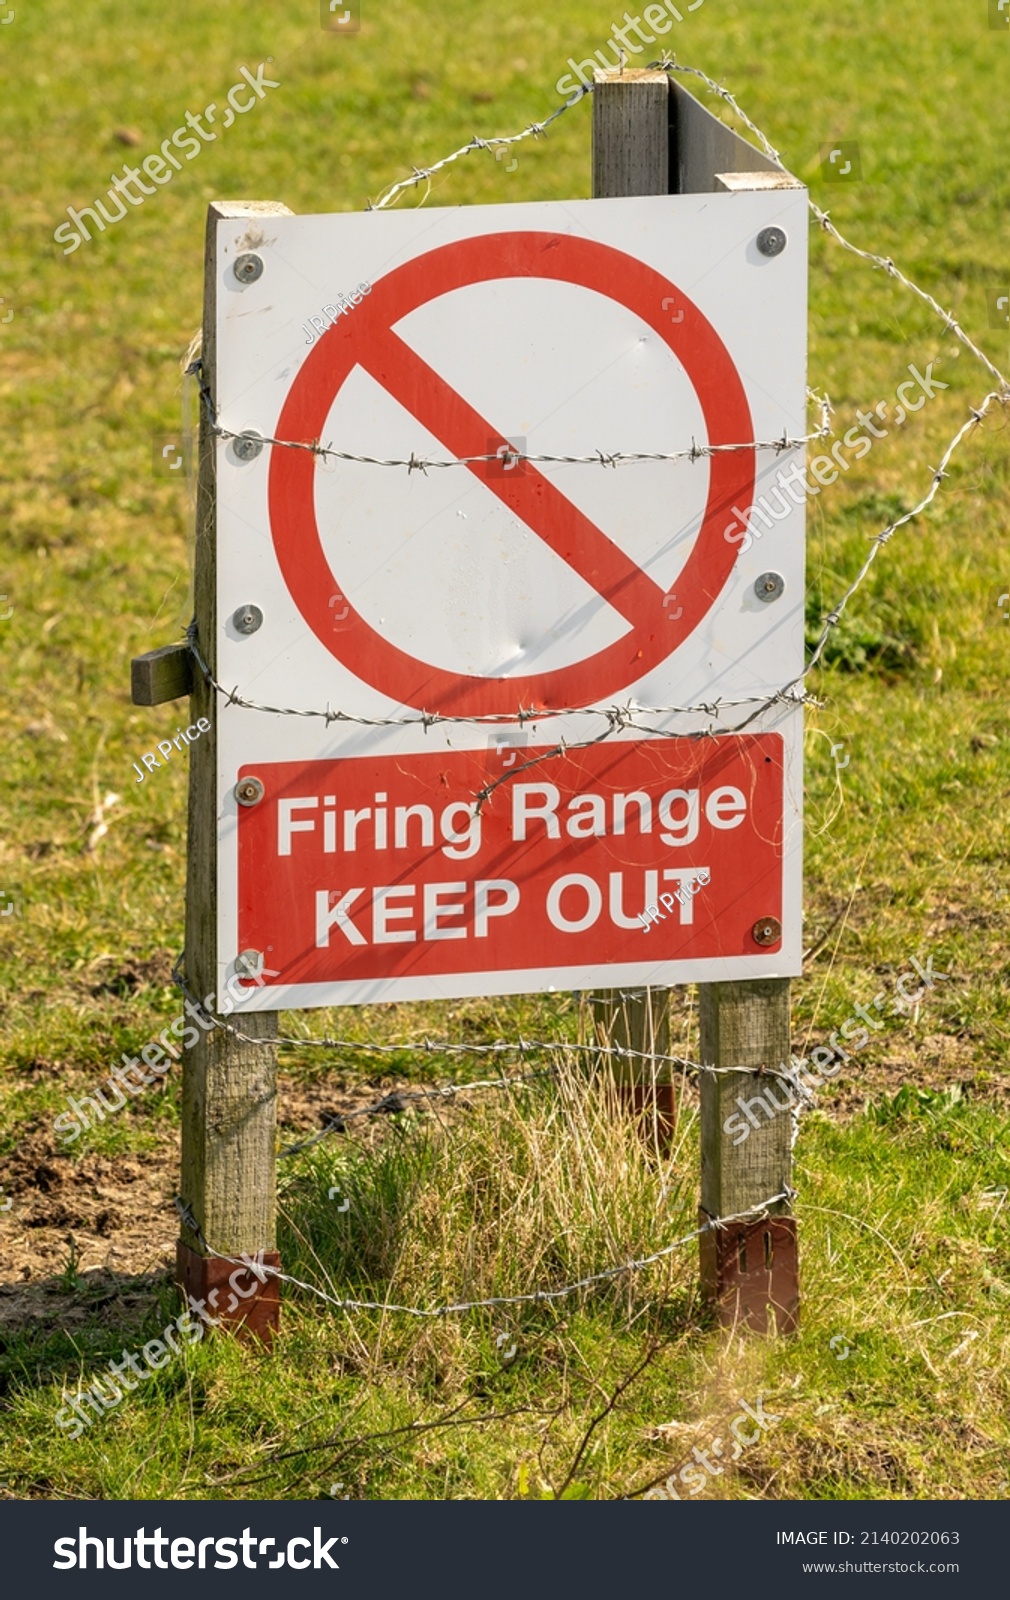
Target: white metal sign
column 365, row 870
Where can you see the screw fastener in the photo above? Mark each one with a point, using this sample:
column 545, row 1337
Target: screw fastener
column 767, row 931
column 248, row 446
column 248, row 267
column 250, row 962
column 247, row 619
column 770, row 586
column 249, row 792
column 771, row 241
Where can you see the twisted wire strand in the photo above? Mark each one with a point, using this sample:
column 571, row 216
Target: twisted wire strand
column 534, row 1297
column 618, row 716
column 422, row 174
column 793, row 692
column 399, row 1100
column 599, row 458
column 668, row 63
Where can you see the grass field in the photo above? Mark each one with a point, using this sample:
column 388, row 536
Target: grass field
column 897, row 1385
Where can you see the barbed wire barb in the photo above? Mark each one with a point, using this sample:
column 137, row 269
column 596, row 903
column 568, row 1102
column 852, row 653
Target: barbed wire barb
column 885, row 263
column 598, row 458
column 498, row 1047
column 534, row 130
column 536, row 1296
column 789, row 694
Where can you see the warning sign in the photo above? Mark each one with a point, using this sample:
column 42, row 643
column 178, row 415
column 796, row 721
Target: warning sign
column 369, row 344
column 380, row 876
column 416, row 606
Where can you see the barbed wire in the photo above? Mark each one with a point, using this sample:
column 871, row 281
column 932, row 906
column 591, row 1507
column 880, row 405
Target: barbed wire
column 422, row 174
column 623, row 717
column 399, row 1100
column 619, row 716
column 668, row 63
column 510, row 456
column 880, row 539
column 537, row 1296
column 431, row 1047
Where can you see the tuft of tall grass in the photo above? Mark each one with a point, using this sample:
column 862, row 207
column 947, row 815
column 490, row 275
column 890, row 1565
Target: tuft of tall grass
column 508, row 1193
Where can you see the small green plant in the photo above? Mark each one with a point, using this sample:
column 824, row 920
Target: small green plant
column 574, row 1491
column 70, row 1279
column 912, row 1101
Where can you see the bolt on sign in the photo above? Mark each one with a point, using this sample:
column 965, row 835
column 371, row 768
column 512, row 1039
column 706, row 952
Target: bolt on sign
column 514, row 849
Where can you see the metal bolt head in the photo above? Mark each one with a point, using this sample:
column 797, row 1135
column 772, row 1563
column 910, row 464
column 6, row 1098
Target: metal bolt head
column 249, row 792
column 247, row 619
column 770, row 586
column 248, row 446
column 248, row 267
column 767, row 931
column 771, row 241
column 250, row 962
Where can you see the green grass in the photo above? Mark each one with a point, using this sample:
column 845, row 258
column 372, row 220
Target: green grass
column 903, row 1259
column 904, row 1253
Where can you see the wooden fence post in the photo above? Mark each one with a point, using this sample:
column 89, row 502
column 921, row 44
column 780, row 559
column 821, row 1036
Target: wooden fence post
column 748, row 1269
column 632, row 156
column 650, row 137
column 229, row 1087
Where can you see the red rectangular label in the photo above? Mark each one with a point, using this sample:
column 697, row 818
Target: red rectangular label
column 382, row 867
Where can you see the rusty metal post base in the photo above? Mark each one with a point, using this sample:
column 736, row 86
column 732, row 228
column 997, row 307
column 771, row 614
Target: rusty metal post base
column 750, row 1273
column 645, row 1101
column 246, row 1307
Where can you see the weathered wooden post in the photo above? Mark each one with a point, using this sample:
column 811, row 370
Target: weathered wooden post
column 749, row 1270
column 651, row 137
column 229, row 1086
column 631, row 156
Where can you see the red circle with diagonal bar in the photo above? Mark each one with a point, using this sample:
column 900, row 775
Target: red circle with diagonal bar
column 366, row 339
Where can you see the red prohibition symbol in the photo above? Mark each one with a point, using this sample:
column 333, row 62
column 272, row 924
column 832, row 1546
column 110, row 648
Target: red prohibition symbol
column 655, row 625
